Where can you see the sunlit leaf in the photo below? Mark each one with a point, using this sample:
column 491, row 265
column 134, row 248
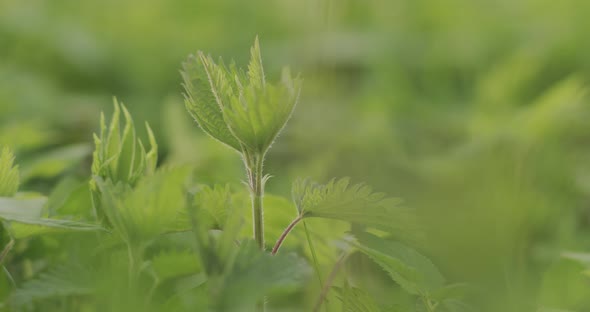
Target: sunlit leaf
column 242, row 111
column 354, row 203
column 202, row 99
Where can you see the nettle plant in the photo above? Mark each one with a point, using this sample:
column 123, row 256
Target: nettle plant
column 160, row 241
column 245, row 112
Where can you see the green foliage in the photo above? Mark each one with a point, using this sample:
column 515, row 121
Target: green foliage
column 201, row 101
column 242, row 111
column 63, row 281
column 24, row 217
column 356, row 300
column 9, row 174
column 216, row 204
column 173, row 264
column 411, row 270
column 24, row 227
column 357, row 203
column 150, row 209
column 253, row 267
column 55, row 162
column 122, row 157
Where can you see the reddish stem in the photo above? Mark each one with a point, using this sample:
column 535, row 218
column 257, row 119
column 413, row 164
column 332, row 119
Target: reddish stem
column 275, row 249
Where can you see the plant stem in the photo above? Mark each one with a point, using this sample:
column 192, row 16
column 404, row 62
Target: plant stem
column 134, row 265
column 257, row 193
column 329, row 282
column 428, row 304
column 6, row 250
column 316, row 264
column 279, row 242
column 313, row 254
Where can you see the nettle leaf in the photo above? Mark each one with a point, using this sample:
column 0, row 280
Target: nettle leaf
column 217, row 223
column 455, row 291
column 203, row 99
column 255, row 273
column 172, row 264
column 354, row 203
column 253, row 112
column 21, row 228
column 412, row 271
column 121, row 156
column 23, row 218
column 255, row 69
column 257, row 116
column 356, row 300
column 148, row 210
column 9, row 174
column 215, row 205
column 63, row 281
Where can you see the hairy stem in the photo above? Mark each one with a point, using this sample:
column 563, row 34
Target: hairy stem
column 257, row 193
column 288, row 230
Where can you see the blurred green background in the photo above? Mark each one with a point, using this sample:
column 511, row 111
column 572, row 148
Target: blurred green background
column 474, row 112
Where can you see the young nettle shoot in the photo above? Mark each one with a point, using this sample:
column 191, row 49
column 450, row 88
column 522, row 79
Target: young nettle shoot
column 120, row 157
column 242, row 110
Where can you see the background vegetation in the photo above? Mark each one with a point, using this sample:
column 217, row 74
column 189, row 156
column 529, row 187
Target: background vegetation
column 474, row 112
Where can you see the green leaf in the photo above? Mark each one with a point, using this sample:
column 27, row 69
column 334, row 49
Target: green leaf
column 412, row 271
column 201, row 99
column 23, row 218
column 172, row 264
column 256, row 115
column 23, row 227
column 255, row 273
column 9, row 174
column 354, row 203
column 215, row 203
column 453, row 291
column 148, row 210
column 356, row 300
column 70, row 197
column 242, row 111
column 70, row 280
column 255, row 69
column 121, row 157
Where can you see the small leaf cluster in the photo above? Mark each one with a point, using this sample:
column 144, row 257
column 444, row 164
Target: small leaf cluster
column 119, row 156
column 241, row 110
